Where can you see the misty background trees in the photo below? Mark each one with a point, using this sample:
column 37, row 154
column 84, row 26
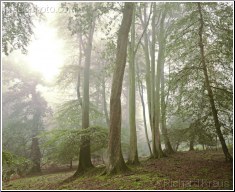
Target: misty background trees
column 139, row 79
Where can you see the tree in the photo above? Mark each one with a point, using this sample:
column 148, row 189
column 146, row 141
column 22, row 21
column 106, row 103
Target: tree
column 141, row 92
column 152, row 54
column 26, row 112
column 82, row 25
column 228, row 157
column 133, row 153
column 85, row 155
column 145, row 46
column 13, row 164
column 167, row 142
column 88, row 20
column 115, row 159
column 188, row 78
column 57, row 142
column 17, row 25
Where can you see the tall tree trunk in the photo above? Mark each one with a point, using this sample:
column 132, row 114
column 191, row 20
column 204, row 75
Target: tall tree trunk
column 145, row 46
column 228, row 157
column 85, row 154
column 116, row 162
column 133, row 153
column 161, row 62
column 79, row 71
column 35, row 153
column 166, row 139
column 152, row 120
column 160, row 65
column 141, row 92
column 35, row 156
column 104, row 102
column 147, row 61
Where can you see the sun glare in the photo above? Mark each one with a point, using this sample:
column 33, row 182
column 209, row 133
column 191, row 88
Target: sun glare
column 46, row 51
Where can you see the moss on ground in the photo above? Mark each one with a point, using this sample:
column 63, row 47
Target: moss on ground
column 188, row 170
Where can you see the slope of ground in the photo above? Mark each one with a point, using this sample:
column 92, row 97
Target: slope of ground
column 183, row 170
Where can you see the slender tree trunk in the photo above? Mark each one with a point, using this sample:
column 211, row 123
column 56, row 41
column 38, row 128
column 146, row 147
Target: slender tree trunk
column 160, row 69
column 116, row 162
column 148, row 72
column 141, row 92
column 133, row 152
column 168, row 146
column 104, row 102
column 161, row 80
column 153, row 126
column 79, row 71
column 85, row 154
column 147, row 61
column 228, row 157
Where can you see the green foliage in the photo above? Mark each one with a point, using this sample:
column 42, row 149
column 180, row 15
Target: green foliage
column 17, row 131
column 197, row 130
column 17, row 25
column 68, row 115
column 24, row 109
column 62, row 145
column 13, row 164
column 188, row 97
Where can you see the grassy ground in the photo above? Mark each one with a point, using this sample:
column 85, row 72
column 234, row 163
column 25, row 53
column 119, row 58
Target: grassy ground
column 184, row 170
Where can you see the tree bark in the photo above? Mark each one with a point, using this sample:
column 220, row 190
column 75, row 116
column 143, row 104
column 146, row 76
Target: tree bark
column 104, row 102
column 161, row 60
column 228, row 157
column 166, row 139
column 160, row 65
column 85, row 154
column 141, row 92
column 35, row 153
column 147, row 61
column 133, row 152
column 116, row 162
column 35, row 156
column 79, row 71
column 191, row 144
column 152, row 120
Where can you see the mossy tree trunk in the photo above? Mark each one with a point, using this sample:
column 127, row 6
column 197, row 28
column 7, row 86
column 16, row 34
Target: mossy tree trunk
column 35, row 156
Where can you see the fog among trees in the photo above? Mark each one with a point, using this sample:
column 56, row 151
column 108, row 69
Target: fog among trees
column 117, row 95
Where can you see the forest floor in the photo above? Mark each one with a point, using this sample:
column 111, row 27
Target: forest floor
column 182, row 170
